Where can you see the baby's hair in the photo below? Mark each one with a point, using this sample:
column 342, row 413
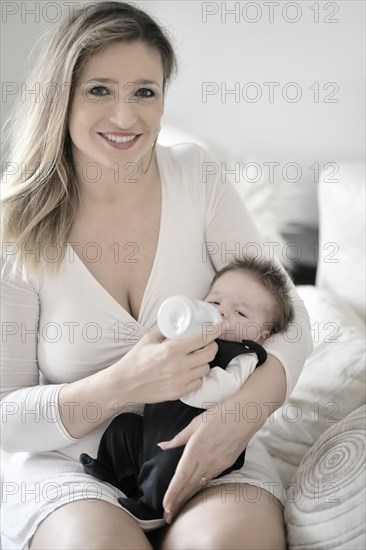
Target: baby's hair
column 274, row 279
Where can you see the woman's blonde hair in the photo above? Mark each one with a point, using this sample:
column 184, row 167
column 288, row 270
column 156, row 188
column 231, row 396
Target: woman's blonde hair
column 40, row 193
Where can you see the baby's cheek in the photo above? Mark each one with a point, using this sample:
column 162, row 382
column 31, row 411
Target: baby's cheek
column 251, row 331
column 232, row 332
column 237, row 331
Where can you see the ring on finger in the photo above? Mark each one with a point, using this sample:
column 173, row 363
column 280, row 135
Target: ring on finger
column 205, row 479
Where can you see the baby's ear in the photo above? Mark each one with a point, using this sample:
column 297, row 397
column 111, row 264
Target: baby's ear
column 263, row 336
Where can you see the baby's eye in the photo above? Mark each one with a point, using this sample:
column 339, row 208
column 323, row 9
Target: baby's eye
column 241, row 313
column 98, row 91
column 145, row 92
column 214, row 303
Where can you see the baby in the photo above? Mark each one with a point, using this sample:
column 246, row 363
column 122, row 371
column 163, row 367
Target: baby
column 252, row 297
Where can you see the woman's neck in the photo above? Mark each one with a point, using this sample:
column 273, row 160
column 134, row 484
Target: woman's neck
column 111, row 189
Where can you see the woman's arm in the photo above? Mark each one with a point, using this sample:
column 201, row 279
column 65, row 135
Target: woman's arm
column 230, row 231
column 30, row 419
column 38, row 418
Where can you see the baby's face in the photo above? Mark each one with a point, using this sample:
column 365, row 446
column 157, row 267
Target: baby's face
column 245, row 306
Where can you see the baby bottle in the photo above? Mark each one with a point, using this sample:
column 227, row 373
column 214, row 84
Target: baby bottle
column 180, row 317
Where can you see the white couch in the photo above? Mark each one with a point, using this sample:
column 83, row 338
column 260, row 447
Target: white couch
column 318, row 437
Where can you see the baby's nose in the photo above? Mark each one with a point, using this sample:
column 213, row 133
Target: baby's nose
column 222, row 311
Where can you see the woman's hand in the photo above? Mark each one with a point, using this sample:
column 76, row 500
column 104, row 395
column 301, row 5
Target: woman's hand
column 157, row 369
column 211, row 446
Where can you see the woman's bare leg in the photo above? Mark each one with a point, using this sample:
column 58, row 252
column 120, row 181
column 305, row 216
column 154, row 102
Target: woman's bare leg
column 235, row 516
column 91, row 525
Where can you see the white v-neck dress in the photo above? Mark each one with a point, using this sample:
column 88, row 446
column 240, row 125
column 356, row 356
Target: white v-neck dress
column 62, row 328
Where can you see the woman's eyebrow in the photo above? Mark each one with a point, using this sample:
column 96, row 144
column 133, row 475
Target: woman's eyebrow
column 141, row 81
column 102, row 79
column 144, row 81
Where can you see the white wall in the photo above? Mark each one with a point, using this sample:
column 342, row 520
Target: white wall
column 228, row 52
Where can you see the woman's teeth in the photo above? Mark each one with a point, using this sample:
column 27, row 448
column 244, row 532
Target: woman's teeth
column 119, row 139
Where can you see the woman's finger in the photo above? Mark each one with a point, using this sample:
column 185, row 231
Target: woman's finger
column 182, row 437
column 202, row 339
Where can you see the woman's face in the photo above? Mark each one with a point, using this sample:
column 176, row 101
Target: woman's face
column 117, row 106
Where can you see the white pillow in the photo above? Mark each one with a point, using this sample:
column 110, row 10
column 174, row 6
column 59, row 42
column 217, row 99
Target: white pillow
column 325, row 508
column 341, row 267
column 331, row 385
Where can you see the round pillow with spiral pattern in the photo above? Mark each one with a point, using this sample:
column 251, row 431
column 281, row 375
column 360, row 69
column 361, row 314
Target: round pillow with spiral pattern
column 325, row 506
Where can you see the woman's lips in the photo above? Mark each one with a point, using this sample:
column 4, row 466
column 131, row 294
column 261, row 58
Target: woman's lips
column 118, row 140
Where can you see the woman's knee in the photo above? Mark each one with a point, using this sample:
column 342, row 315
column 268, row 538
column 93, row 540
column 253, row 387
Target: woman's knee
column 93, row 525
column 228, row 516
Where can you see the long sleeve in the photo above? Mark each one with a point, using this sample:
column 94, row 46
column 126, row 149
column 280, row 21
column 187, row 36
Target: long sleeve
column 231, row 231
column 29, row 411
column 219, row 383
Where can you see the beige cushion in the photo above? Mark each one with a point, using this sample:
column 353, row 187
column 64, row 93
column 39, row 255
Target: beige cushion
column 331, row 385
column 325, row 508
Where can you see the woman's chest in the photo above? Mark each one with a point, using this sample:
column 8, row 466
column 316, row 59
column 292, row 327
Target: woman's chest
column 119, row 253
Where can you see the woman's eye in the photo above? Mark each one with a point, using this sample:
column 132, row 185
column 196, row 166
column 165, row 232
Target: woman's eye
column 98, row 91
column 145, row 92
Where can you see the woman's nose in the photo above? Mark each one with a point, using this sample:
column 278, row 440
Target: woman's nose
column 124, row 113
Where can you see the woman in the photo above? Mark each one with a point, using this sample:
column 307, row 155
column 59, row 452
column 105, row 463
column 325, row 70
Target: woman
column 117, row 224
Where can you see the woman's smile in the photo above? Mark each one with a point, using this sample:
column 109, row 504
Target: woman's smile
column 120, row 140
